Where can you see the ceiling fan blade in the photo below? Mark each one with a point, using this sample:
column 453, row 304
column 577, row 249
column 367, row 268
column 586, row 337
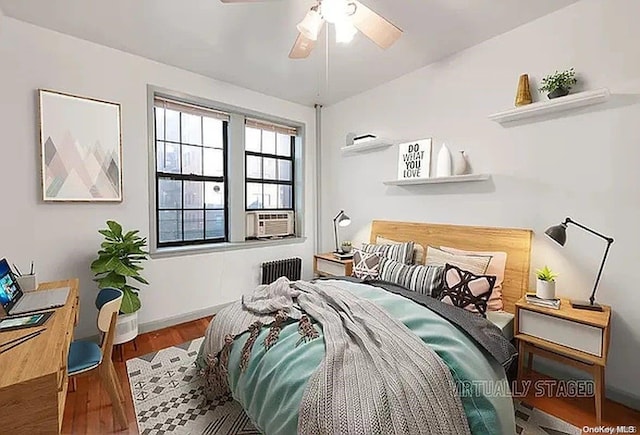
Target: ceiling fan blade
column 375, row 27
column 302, row 47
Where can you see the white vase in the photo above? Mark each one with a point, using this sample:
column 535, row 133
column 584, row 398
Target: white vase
column 546, row 289
column 460, row 164
column 443, row 168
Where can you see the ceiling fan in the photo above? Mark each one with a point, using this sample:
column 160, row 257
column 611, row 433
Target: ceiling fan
column 347, row 16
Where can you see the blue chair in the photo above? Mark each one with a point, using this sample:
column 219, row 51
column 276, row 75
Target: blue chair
column 88, row 355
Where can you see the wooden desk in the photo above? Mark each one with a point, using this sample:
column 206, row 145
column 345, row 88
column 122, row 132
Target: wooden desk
column 33, row 376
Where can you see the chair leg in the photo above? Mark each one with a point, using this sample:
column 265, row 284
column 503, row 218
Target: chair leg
column 109, row 383
column 116, row 380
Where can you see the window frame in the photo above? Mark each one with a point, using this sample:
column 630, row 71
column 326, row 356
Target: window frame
column 263, row 181
column 235, row 186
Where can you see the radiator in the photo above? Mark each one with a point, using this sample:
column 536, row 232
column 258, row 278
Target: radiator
column 289, row 267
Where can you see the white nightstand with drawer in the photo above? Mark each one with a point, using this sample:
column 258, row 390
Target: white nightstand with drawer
column 579, row 338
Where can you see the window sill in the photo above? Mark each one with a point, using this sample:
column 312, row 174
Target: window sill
column 221, row 247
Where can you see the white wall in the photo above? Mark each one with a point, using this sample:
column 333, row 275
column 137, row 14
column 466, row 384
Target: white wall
column 583, row 164
column 63, row 238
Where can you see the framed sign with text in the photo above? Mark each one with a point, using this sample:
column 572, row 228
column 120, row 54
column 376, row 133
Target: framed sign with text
column 414, row 159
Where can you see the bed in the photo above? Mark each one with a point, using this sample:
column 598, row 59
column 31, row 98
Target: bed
column 270, row 384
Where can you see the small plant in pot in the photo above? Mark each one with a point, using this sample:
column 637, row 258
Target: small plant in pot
column 546, row 285
column 558, row 84
column 118, row 265
column 346, row 246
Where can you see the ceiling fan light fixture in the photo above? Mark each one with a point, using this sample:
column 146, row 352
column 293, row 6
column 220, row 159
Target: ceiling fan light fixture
column 345, row 31
column 334, row 10
column 311, row 25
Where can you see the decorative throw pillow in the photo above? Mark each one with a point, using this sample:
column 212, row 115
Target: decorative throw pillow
column 466, row 290
column 426, row 280
column 402, row 252
column 496, row 267
column 477, row 264
column 366, row 265
column 418, row 249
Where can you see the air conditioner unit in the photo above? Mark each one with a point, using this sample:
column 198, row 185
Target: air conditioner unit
column 270, row 223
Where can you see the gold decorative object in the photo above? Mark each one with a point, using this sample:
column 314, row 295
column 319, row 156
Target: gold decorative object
column 523, row 97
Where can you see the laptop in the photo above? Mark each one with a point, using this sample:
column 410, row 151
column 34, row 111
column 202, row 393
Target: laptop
column 15, row 301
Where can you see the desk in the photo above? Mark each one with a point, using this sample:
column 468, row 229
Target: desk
column 33, row 376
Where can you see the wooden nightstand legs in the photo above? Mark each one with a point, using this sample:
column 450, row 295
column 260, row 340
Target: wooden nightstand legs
column 598, row 378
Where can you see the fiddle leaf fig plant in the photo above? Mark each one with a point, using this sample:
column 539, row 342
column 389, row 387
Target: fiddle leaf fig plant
column 546, row 274
column 119, row 264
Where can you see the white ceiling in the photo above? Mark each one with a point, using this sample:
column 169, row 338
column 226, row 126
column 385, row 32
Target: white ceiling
column 248, row 44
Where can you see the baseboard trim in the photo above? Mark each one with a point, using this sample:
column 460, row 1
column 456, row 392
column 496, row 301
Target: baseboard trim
column 557, row 371
column 180, row 318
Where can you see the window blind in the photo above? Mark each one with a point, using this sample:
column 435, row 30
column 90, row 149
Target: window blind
column 190, row 108
column 270, row 126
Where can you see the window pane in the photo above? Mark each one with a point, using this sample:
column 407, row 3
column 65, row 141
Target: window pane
column 284, row 197
column 284, row 170
column 269, row 169
column 252, row 139
column 191, row 129
column 254, row 167
column 213, row 162
column 268, row 142
column 254, row 196
column 284, row 145
column 191, row 160
column 213, row 195
column 212, row 132
column 169, row 226
column 193, row 194
column 172, row 122
column 168, row 157
column 215, row 224
column 159, row 123
column 270, row 196
column 169, row 193
column 194, row 225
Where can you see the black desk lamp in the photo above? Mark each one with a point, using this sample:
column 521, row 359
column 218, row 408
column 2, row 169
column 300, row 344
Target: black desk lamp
column 558, row 234
column 342, row 220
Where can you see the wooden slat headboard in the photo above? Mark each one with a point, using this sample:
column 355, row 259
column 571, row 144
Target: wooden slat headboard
column 515, row 242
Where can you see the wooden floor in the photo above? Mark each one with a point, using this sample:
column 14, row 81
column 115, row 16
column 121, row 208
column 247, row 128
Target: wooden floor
column 88, row 409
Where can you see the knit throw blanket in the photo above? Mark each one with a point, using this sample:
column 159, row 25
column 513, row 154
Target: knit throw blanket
column 377, row 377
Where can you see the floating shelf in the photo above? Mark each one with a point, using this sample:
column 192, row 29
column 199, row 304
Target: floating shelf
column 439, row 180
column 367, row 146
column 572, row 101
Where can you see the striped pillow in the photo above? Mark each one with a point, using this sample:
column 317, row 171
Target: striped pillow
column 426, row 280
column 402, row 252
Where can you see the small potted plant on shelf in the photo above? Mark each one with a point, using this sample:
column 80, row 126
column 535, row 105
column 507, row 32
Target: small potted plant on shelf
column 119, row 261
column 546, row 285
column 558, row 84
column 346, row 247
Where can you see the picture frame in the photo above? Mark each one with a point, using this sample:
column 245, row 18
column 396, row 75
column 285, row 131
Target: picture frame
column 414, row 159
column 80, row 148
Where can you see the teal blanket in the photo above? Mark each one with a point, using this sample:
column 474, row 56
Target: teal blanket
column 271, row 388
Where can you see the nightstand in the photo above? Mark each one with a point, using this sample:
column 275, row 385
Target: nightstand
column 579, row 338
column 328, row 265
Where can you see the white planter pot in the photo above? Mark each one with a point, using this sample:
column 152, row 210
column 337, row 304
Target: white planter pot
column 546, row 289
column 126, row 328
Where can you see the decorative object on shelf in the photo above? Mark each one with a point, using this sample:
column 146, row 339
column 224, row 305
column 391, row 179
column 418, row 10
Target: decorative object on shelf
column 443, row 168
column 460, row 163
column 414, row 159
column 81, row 148
column 342, row 220
column 558, row 84
column 558, row 233
column 346, row 246
column 119, row 261
column 523, row 96
column 546, row 283
column 547, row 107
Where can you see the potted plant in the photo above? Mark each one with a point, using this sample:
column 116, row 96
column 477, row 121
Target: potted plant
column 546, row 285
column 346, row 246
column 119, row 265
column 558, row 84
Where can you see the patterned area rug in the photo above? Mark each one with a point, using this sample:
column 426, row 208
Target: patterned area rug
column 169, row 399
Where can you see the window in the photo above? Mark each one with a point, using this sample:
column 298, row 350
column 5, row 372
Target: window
column 269, row 160
column 190, row 153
